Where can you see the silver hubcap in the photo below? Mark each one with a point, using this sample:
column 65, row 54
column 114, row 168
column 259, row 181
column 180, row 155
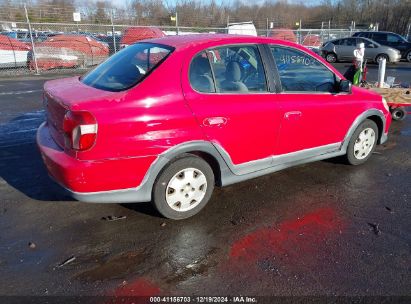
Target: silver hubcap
column 186, row 189
column 330, row 58
column 409, row 56
column 364, row 143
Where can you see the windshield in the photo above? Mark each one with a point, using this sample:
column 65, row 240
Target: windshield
column 127, row 67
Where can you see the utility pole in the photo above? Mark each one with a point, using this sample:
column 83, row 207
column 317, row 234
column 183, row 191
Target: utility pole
column 113, row 32
column 177, row 30
column 32, row 41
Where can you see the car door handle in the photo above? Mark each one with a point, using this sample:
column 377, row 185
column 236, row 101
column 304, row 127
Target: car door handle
column 214, row 121
column 291, row 114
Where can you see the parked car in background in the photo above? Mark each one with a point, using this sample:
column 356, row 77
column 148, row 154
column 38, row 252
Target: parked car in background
column 160, row 121
column 242, row 28
column 343, row 50
column 20, row 36
column 109, row 40
column 138, row 33
column 68, row 51
column 13, row 53
column 283, row 34
column 313, row 41
column 389, row 39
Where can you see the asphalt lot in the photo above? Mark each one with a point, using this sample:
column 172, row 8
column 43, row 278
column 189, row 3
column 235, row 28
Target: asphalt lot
column 324, row 228
column 400, row 70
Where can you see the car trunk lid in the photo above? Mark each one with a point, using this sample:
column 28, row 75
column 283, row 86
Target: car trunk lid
column 69, row 94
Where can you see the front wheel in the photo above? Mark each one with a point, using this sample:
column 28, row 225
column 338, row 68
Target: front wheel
column 380, row 57
column 408, row 56
column 331, row 58
column 362, row 143
column 184, row 187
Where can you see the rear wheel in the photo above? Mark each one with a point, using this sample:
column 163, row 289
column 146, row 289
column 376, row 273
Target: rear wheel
column 362, row 143
column 399, row 113
column 408, row 56
column 331, row 58
column 184, row 187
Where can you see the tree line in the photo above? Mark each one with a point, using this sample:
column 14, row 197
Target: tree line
column 391, row 15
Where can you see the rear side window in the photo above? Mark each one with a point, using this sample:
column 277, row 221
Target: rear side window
column 348, row 42
column 127, row 67
column 201, row 77
column 393, row 38
column 379, row 37
column 238, row 69
column 299, row 72
column 234, row 69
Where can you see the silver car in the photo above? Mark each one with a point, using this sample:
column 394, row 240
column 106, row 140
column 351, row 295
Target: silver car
column 343, row 50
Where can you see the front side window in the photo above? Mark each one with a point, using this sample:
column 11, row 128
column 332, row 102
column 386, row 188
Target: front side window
column 299, row 72
column 367, row 43
column 238, row 69
column 127, row 67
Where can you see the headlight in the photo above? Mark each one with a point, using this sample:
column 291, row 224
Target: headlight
column 384, row 102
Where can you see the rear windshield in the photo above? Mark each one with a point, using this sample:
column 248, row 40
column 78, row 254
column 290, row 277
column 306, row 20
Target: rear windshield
column 127, row 67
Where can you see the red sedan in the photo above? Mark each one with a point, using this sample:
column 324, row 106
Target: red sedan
column 167, row 119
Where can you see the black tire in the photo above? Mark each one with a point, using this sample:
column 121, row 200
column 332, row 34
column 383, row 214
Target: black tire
column 161, row 185
column 331, row 57
column 351, row 156
column 381, row 56
column 408, row 56
column 399, row 113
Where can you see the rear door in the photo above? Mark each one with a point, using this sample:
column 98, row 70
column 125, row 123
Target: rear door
column 346, row 48
column 227, row 90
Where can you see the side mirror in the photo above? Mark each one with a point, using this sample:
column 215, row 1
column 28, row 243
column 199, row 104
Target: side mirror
column 345, row 86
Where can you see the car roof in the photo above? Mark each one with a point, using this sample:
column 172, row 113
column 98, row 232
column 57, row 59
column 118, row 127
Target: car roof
column 384, row 32
column 184, row 41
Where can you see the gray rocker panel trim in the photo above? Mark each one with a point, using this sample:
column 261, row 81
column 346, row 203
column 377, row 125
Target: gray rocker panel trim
column 230, row 173
column 142, row 193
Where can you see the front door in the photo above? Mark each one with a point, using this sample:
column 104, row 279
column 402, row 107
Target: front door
column 227, row 90
column 315, row 118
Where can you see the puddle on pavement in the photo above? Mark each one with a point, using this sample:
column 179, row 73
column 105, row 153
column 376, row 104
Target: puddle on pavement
column 198, row 267
column 114, row 268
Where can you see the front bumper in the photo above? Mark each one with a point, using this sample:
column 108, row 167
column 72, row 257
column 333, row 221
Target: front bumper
column 111, row 180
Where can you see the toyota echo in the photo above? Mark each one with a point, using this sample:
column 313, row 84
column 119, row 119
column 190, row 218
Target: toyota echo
column 167, row 119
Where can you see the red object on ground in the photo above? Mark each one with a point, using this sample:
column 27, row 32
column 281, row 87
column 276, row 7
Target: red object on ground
column 134, row 131
column 283, row 34
column 138, row 33
column 65, row 51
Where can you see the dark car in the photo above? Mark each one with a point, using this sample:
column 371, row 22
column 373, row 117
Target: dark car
column 389, row 39
column 110, row 40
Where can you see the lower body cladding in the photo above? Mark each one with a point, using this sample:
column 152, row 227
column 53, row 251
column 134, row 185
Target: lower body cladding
column 150, row 167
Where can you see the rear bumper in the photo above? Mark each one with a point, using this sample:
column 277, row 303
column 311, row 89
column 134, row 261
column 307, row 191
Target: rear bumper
column 103, row 181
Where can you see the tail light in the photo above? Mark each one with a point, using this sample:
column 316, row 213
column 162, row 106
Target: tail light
column 80, row 130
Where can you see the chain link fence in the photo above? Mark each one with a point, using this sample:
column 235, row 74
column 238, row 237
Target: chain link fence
column 38, row 48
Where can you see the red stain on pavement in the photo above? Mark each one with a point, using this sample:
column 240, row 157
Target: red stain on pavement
column 135, row 292
column 140, row 287
column 294, row 238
